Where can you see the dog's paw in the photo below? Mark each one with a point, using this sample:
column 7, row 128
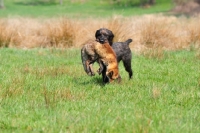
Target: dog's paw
column 91, row 74
column 105, row 63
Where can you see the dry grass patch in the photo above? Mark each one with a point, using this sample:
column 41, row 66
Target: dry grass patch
column 7, row 34
column 147, row 32
column 50, row 71
column 11, row 92
column 53, row 97
column 58, row 33
column 153, row 53
column 194, row 32
column 158, row 33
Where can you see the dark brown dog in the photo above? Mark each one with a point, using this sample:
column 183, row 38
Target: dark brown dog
column 102, row 53
column 121, row 49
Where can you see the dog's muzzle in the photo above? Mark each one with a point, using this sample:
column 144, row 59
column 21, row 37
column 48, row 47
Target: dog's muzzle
column 101, row 40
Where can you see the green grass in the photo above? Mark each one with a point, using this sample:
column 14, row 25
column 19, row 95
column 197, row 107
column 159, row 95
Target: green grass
column 47, row 90
column 91, row 8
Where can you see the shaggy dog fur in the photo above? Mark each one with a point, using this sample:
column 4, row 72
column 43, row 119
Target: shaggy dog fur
column 124, row 54
column 87, row 55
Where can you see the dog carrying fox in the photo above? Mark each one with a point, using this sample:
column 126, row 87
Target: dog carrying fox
column 107, row 59
column 96, row 50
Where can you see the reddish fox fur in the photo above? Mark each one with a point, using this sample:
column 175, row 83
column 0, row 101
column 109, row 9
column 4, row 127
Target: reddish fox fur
column 109, row 59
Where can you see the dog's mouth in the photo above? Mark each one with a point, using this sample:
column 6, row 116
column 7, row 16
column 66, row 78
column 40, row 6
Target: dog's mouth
column 101, row 40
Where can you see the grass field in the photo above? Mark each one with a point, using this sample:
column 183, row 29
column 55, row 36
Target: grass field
column 77, row 9
column 47, row 90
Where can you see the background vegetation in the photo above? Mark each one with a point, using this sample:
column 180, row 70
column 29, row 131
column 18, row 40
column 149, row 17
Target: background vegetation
column 147, row 32
column 78, row 8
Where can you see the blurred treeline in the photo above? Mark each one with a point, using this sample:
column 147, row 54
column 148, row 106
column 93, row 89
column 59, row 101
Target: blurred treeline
column 148, row 2
column 128, row 2
column 178, row 2
column 114, row 2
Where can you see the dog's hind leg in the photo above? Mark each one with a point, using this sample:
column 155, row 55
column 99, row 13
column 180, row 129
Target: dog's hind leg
column 89, row 65
column 104, row 76
column 127, row 65
column 89, row 68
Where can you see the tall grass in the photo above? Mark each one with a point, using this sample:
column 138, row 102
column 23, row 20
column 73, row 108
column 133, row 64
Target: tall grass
column 149, row 31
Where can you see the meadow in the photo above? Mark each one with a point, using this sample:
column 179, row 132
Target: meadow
column 43, row 86
column 46, row 90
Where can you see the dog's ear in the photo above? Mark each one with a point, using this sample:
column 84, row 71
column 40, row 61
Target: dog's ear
column 97, row 34
column 111, row 36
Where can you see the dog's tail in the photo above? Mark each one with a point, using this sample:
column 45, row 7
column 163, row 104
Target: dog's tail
column 128, row 41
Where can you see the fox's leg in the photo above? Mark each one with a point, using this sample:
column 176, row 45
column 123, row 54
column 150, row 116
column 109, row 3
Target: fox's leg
column 102, row 64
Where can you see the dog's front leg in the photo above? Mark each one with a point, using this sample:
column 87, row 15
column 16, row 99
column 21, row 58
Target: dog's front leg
column 91, row 70
column 101, row 66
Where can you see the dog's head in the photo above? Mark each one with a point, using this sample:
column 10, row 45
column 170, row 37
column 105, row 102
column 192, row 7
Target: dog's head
column 102, row 35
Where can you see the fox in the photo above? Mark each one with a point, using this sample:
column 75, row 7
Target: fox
column 108, row 58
